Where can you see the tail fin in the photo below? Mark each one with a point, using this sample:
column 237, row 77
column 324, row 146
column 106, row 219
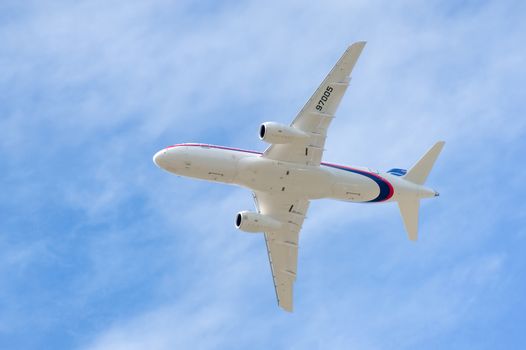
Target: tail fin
column 419, row 172
column 409, row 211
column 409, row 207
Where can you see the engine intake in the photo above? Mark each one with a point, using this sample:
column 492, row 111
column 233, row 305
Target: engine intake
column 253, row 222
column 275, row 133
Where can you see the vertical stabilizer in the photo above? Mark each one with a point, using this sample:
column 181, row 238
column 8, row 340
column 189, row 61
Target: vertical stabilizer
column 419, row 172
column 409, row 211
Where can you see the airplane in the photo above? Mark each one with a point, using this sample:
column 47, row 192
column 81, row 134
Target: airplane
column 289, row 174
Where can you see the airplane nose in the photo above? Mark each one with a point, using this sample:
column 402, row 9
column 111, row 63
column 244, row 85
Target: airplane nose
column 169, row 159
column 160, row 158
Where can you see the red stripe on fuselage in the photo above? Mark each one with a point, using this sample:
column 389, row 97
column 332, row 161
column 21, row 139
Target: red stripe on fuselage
column 391, row 190
column 213, row 146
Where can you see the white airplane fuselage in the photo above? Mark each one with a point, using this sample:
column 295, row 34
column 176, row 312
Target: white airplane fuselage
column 290, row 173
column 250, row 170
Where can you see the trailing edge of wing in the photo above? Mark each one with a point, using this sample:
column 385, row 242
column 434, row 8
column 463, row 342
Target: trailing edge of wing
column 282, row 245
column 316, row 115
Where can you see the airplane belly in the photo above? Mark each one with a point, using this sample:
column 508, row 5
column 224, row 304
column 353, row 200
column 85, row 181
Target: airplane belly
column 363, row 190
column 210, row 164
column 262, row 174
column 357, row 185
column 259, row 174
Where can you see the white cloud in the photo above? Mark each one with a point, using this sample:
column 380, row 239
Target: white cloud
column 97, row 87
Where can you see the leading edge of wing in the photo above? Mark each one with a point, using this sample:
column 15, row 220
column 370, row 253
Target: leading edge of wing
column 284, row 303
column 339, row 73
column 285, row 306
column 317, row 114
column 282, row 245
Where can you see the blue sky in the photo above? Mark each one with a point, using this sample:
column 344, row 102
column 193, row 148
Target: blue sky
column 99, row 249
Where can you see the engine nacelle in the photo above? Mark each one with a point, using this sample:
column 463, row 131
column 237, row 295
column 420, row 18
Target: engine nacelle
column 253, row 222
column 276, row 133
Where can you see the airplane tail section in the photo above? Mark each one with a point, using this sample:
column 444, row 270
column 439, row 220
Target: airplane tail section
column 409, row 211
column 419, row 172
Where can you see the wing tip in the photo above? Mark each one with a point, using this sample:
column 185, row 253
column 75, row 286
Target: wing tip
column 287, row 308
column 358, row 44
column 352, row 53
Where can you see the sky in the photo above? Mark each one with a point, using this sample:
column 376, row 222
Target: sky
column 100, row 249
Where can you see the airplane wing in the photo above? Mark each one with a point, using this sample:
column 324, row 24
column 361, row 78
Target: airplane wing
column 317, row 114
column 282, row 245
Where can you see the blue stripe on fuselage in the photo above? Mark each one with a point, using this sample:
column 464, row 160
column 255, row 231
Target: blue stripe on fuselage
column 385, row 187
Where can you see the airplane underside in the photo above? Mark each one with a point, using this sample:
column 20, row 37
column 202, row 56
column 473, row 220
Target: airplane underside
column 290, row 173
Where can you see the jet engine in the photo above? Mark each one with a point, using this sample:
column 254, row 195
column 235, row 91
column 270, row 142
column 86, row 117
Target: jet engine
column 275, row 133
column 253, row 222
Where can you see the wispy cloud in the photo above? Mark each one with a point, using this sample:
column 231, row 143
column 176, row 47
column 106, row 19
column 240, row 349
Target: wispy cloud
column 102, row 250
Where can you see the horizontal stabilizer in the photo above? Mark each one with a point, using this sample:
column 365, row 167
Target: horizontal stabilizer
column 419, row 172
column 409, row 211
